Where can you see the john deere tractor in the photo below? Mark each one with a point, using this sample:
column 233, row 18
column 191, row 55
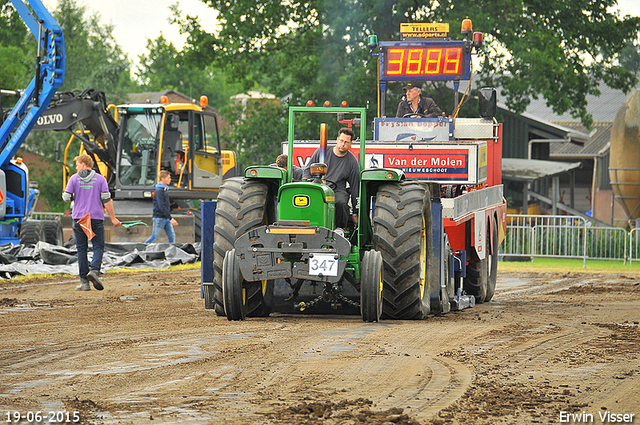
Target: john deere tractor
column 431, row 210
column 269, row 229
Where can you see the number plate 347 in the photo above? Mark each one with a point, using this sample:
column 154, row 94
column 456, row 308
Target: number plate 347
column 323, row 263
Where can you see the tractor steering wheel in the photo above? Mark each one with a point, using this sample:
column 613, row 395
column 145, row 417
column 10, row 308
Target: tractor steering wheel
column 413, row 114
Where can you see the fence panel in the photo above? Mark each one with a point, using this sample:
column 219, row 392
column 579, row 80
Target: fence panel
column 544, row 236
column 567, row 237
column 518, row 240
column 607, row 243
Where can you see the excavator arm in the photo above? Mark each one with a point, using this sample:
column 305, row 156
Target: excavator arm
column 84, row 114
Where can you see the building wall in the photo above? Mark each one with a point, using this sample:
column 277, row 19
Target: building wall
column 602, row 209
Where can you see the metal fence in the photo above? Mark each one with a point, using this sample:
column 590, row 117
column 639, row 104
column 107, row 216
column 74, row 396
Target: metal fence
column 564, row 236
column 37, row 215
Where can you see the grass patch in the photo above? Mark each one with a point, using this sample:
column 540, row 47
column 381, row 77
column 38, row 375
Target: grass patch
column 48, row 277
column 570, row 265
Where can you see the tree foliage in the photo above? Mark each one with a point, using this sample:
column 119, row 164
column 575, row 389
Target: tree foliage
column 164, row 68
column 93, row 58
column 257, row 137
column 630, row 58
column 14, row 64
column 558, row 49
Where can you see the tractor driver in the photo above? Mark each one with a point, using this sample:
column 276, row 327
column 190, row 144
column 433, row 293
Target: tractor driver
column 342, row 168
column 415, row 106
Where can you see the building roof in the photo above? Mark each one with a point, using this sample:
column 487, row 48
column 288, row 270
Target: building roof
column 528, row 170
column 598, row 142
column 253, row 94
column 603, row 107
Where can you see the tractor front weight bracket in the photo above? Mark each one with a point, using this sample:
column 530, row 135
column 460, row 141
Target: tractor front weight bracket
column 277, row 252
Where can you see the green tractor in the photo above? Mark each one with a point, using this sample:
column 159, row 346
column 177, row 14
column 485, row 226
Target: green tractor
column 271, row 229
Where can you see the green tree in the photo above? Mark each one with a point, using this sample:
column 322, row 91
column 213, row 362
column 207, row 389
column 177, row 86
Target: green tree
column 164, row 68
column 93, row 58
column 14, row 63
column 257, row 137
column 630, row 58
column 558, row 49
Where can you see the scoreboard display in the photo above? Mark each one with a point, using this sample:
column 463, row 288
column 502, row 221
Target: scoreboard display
column 425, row 61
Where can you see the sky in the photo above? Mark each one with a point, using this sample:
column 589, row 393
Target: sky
column 135, row 21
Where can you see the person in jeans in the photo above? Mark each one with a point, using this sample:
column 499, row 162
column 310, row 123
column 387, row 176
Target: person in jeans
column 162, row 219
column 90, row 195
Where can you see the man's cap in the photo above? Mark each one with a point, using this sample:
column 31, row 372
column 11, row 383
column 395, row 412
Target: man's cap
column 413, row 84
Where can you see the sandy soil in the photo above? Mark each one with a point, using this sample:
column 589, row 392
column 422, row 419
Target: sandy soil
column 145, row 351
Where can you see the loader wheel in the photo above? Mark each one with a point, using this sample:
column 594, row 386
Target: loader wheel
column 402, row 234
column 242, row 205
column 52, row 230
column 492, row 264
column 476, row 281
column 233, row 292
column 31, row 232
column 371, row 287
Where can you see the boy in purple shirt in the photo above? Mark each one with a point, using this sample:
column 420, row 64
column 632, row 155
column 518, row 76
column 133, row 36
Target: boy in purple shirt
column 90, row 194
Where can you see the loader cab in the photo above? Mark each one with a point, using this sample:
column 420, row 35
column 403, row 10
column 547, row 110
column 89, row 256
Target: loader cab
column 180, row 138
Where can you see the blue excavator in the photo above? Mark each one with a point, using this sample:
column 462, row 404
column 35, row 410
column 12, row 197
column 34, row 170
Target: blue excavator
column 17, row 198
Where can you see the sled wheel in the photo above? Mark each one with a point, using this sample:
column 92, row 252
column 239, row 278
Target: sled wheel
column 476, row 281
column 492, row 265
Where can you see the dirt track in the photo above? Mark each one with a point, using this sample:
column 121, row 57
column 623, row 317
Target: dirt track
column 145, row 351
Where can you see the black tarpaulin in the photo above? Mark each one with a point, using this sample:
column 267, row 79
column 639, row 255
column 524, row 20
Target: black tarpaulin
column 44, row 258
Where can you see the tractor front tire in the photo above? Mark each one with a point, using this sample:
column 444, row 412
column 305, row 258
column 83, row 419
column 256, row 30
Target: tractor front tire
column 243, row 205
column 371, row 287
column 402, row 233
column 232, row 288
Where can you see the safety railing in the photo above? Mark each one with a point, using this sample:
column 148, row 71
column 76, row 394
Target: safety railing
column 530, row 236
column 39, row 215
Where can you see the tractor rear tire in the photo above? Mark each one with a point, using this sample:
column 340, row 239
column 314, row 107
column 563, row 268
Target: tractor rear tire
column 31, row 232
column 476, row 281
column 402, row 233
column 492, row 265
column 243, row 205
column 232, row 292
column 371, row 287
column 52, row 230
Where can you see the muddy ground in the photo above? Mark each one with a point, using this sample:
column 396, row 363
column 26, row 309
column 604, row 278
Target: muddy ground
column 145, row 351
